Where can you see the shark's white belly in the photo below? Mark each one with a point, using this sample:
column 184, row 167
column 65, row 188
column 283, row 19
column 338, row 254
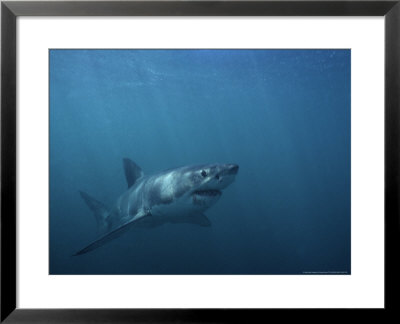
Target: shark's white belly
column 177, row 209
column 176, row 212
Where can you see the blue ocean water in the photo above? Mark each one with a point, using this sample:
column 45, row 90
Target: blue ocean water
column 282, row 115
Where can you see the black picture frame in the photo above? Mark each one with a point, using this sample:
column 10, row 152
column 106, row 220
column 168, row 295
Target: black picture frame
column 10, row 10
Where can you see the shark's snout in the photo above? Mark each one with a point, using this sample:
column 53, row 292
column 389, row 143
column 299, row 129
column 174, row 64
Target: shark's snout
column 230, row 169
column 233, row 168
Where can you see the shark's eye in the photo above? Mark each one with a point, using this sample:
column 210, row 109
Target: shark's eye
column 204, row 173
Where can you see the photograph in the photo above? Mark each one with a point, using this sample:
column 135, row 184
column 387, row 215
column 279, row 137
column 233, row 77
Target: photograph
column 199, row 161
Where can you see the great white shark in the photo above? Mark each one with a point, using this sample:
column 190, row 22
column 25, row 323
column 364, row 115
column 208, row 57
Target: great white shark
column 178, row 195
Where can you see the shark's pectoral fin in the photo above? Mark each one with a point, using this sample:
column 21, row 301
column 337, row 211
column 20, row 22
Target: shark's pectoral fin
column 200, row 219
column 197, row 219
column 110, row 235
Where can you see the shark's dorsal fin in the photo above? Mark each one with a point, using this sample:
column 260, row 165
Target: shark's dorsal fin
column 132, row 172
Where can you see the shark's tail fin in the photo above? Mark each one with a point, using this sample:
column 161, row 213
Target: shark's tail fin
column 99, row 210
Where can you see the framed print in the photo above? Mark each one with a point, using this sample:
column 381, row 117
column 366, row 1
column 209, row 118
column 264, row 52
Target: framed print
column 198, row 161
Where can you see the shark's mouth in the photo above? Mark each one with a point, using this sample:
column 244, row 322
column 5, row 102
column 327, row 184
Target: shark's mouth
column 207, row 193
